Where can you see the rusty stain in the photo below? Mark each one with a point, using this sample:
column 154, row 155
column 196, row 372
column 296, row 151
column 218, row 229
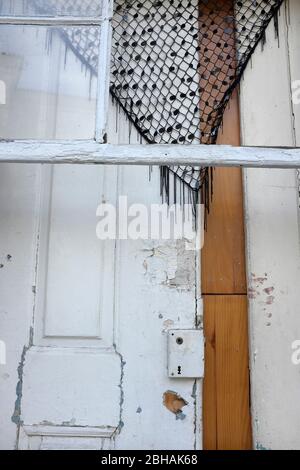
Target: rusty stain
column 260, row 280
column 269, row 290
column 174, row 403
column 252, row 295
column 253, row 292
column 168, row 323
column 270, row 300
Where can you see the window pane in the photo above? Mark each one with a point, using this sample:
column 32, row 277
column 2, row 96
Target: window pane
column 48, row 81
column 51, row 7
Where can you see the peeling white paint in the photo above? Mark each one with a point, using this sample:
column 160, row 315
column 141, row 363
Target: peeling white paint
column 171, row 265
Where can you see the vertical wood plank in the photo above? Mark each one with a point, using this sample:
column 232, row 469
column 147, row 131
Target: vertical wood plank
column 226, row 416
column 226, row 413
column 223, row 254
column 209, row 388
column 223, row 257
column 232, row 372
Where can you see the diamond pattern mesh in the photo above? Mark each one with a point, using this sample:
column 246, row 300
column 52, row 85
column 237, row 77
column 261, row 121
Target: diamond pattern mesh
column 174, row 66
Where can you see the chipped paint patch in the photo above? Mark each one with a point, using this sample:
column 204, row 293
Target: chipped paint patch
column 71, row 422
column 252, row 293
column 167, row 324
column 194, row 396
column 266, row 294
column 180, row 415
column 174, row 403
column 259, row 446
column 121, row 387
column 139, row 410
column 8, row 258
column 270, row 299
column 16, row 417
column 259, row 280
column 269, row 290
column 171, row 265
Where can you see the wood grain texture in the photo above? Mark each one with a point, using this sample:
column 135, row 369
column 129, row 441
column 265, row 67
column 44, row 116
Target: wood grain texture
column 226, row 407
column 209, row 384
column 223, row 254
column 226, row 384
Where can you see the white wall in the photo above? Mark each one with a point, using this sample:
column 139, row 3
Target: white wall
column 269, row 117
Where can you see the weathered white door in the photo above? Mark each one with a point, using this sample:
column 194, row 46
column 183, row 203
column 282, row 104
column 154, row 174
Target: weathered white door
column 84, row 320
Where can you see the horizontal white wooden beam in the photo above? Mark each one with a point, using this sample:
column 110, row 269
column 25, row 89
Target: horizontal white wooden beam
column 52, row 20
column 91, row 152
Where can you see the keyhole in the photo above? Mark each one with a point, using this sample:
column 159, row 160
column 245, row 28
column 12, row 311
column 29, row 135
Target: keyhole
column 179, row 370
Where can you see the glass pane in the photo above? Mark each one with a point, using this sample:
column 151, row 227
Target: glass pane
column 51, row 7
column 48, row 81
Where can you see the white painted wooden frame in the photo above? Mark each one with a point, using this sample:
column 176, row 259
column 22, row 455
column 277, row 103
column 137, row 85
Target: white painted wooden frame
column 92, row 152
column 54, row 20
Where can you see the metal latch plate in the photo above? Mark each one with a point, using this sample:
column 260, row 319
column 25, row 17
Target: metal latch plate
column 185, row 353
